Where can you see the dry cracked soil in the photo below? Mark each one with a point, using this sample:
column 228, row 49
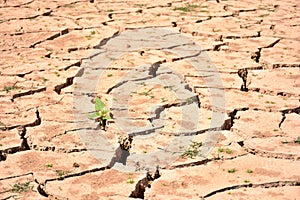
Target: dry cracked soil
column 226, row 129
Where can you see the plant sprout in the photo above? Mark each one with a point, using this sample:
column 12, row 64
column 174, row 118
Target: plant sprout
column 100, row 114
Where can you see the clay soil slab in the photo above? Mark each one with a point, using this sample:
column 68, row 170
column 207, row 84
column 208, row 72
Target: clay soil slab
column 268, row 81
column 257, row 123
column 96, row 185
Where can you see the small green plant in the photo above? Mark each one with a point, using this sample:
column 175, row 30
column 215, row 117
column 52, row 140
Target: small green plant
column 57, row 74
column 272, row 102
column 275, row 130
column 93, row 32
column 49, row 165
column 216, row 30
column 9, row 88
column 70, row 5
column 100, row 114
column 264, row 15
column 109, row 75
column 233, row 170
column 61, row 173
column 110, row 10
column 228, row 151
column 163, row 99
column 188, row 8
column 246, row 181
column 146, row 93
column 21, row 187
column 140, row 5
column 88, row 37
column 220, row 150
column 130, row 180
column 193, row 150
column 249, row 171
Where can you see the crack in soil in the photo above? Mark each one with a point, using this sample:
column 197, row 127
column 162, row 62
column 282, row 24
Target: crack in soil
column 274, row 184
column 29, row 92
column 16, row 176
column 288, row 111
column 229, row 123
column 52, row 37
column 272, row 155
column 41, row 188
column 256, row 56
column 105, row 40
column 68, row 82
column 46, row 13
column 203, row 162
column 259, row 90
column 282, row 65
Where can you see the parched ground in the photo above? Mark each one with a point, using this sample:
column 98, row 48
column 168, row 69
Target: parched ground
column 48, row 46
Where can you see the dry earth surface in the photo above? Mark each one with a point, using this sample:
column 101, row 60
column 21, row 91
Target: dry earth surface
column 46, row 44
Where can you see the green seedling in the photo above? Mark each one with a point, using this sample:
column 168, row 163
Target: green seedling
column 61, row 173
column 249, row 171
column 9, row 88
column 163, row 100
column 193, row 150
column 130, row 180
column 188, row 8
column 49, row 165
column 228, row 151
column 57, row 74
column 220, row 150
column 147, row 93
column 140, row 5
column 88, row 37
column 21, row 187
column 100, row 114
column 233, row 170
